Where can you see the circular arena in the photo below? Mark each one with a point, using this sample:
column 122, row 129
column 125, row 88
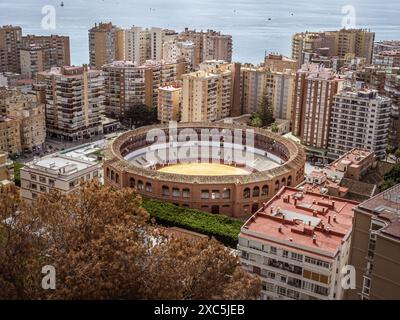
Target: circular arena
column 219, row 168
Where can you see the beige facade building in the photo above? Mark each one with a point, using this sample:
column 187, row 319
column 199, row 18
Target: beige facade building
column 279, row 63
column 315, row 88
column 106, row 44
column 60, row 46
column 10, row 43
column 128, row 84
column 283, row 95
column 174, row 50
column 74, row 98
column 10, row 135
column 209, row 45
column 375, row 248
column 142, row 44
column 358, row 42
column 169, row 103
column 207, row 94
column 6, row 170
column 57, row 172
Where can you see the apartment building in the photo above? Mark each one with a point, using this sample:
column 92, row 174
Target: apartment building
column 375, row 248
column 128, row 84
column 359, row 119
column 209, row 45
column 6, row 170
column 355, row 176
column 56, row 172
column 207, row 94
column 10, row 136
column 25, row 110
column 386, row 45
column 298, row 244
column 60, row 45
column 256, row 82
column 279, row 63
column 315, row 88
column 388, row 59
column 35, row 59
column 142, row 44
column 174, row 50
column 392, row 90
column 169, row 103
column 74, row 98
column 106, row 44
column 10, row 43
column 283, row 94
column 358, row 42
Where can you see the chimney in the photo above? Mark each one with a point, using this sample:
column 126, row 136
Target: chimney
column 314, row 238
column 295, row 201
column 280, row 229
column 288, row 198
column 333, row 204
column 329, row 219
column 334, row 218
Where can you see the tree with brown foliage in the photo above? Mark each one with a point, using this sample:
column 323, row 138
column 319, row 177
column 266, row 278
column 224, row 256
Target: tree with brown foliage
column 103, row 246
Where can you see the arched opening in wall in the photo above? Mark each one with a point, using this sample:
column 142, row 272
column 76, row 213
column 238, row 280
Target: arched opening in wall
column 117, row 178
column 149, row 187
column 277, row 186
column 112, row 175
column 246, row 193
column 265, row 190
column 132, row 183
column 165, row 191
column 289, row 181
column 108, row 172
column 256, row 192
column 283, row 182
column 254, row 208
column 140, row 185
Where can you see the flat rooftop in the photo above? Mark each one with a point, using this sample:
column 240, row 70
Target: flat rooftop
column 303, row 220
column 386, row 206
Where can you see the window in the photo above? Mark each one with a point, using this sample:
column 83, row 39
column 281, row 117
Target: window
column 283, row 182
column 108, row 172
column 117, row 178
column 256, row 192
column 175, row 192
column 165, row 191
column 285, row 254
column 186, row 193
column 95, row 174
column 42, row 179
column 289, row 181
column 33, row 177
column 112, row 175
column 277, row 186
column 272, row 250
column 297, row 257
column 52, row 182
column 246, row 193
column 149, row 187
column 88, row 176
column 131, row 182
column 226, row 194
column 43, row 189
column 205, row 194
column 265, row 190
column 215, row 194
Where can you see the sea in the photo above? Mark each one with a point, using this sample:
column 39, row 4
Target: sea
column 257, row 26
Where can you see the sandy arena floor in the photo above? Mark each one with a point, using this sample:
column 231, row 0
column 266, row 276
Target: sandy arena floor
column 204, row 169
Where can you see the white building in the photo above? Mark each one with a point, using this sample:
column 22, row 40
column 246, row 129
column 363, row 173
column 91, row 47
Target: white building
column 298, row 244
column 359, row 119
column 57, row 172
column 143, row 44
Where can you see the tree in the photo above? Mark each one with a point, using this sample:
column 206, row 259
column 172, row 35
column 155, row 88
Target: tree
column 103, row 246
column 140, row 115
column 274, row 128
column 265, row 111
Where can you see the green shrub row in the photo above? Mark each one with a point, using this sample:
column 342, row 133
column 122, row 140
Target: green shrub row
column 222, row 228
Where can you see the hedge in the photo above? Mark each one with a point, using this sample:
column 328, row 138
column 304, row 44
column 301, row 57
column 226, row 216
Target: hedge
column 222, row 228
